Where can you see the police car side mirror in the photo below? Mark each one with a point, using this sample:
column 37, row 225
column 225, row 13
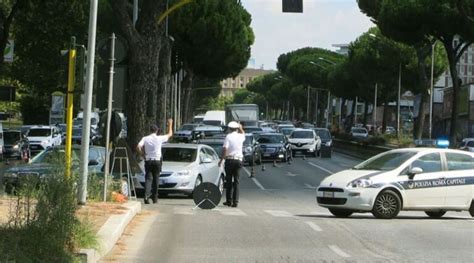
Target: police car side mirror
column 206, row 160
column 414, row 171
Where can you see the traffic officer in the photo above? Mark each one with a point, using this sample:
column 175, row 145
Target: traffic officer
column 150, row 147
column 232, row 154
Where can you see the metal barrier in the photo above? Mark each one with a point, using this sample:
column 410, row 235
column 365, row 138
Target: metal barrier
column 358, row 150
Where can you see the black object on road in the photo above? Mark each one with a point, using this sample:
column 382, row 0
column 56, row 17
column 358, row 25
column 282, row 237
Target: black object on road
column 325, row 152
column 207, row 196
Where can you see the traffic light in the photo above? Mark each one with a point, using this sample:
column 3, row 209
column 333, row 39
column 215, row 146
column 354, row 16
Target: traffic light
column 292, row 6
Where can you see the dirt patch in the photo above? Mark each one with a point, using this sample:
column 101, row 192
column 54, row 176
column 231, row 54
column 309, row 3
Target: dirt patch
column 98, row 213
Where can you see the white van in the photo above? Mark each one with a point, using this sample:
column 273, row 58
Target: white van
column 214, row 118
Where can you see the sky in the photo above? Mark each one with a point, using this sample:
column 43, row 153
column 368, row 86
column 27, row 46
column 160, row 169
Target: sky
column 322, row 24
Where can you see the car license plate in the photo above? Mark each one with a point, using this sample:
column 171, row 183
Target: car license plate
column 328, row 194
column 266, row 155
column 162, row 181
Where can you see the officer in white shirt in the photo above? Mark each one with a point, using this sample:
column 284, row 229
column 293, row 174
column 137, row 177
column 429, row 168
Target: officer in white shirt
column 150, row 147
column 232, row 154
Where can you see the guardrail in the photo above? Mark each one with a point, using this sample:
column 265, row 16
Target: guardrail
column 357, row 149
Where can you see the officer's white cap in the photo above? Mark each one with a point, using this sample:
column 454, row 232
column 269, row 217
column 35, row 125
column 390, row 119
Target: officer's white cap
column 233, row 125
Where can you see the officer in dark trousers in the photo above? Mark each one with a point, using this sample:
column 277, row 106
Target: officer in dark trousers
column 150, row 147
column 233, row 156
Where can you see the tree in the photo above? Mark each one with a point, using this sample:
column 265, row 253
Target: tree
column 399, row 25
column 8, row 11
column 213, row 40
column 448, row 21
column 40, row 35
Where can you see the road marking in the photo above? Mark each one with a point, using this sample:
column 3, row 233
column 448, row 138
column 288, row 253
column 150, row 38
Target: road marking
column 290, row 174
column 183, row 211
column 319, row 167
column 255, row 180
column 339, row 251
column 309, row 186
column 314, row 226
column 233, row 212
column 278, row 213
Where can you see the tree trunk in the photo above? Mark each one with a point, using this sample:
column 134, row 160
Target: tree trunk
column 384, row 117
column 366, row 109
column 351, row 117
column 164, row 76
column 187, row 89
column 422, row 53
column 456, row 83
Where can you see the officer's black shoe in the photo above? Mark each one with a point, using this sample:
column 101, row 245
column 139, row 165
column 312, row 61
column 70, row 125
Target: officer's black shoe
column 227, row 203
column 155, row 200
column 234, row 205
column 147, row 201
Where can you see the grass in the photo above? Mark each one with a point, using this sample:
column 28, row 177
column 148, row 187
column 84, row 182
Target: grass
column 85, row 236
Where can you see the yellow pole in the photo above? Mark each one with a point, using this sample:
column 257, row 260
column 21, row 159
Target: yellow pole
column 70, row 103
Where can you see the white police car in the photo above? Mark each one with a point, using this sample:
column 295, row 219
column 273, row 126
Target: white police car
column 423, row 179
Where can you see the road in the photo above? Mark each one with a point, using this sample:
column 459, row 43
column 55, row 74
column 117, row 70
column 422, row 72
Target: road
column 278, row 221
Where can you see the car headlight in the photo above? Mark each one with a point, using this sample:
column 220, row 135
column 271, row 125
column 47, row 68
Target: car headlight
column 360, row 183
column 45, row 142
column 328, row 143
column 16, row 147
column 248, row 149
column 183, row 173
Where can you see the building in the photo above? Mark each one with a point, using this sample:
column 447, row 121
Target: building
column 343, row 49
column 231, row 85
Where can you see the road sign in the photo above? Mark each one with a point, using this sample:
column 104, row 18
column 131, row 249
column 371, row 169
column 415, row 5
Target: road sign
column 56, row 114
column 292, row 6
column 8, row 52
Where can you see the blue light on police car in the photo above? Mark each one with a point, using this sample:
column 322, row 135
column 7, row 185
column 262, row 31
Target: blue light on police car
column 442, row 143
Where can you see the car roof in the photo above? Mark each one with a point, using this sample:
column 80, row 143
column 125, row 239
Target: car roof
column 208, row 128
column 182, row 145
column 269, row 133
column 302, row 129
column 41, row 127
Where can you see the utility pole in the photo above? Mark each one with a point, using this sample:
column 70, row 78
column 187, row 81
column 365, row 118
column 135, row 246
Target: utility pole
column 86, row 122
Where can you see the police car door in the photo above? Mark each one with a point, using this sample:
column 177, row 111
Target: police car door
column 422, row 190
column 459, row 179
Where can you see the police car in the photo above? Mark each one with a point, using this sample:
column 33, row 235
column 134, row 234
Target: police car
column 423, row 179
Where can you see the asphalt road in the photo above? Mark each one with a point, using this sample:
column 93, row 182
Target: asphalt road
column 278, row 220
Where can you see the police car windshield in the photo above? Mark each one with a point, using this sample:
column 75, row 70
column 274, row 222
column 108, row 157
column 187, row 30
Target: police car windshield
column 385, row 162
column 271, row 139
column 185, row 155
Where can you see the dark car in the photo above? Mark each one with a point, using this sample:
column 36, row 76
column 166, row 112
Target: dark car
column 215, row 143
column 77, row 136
column 51, row 161
column 274, row 146
column 185, row 133
column 251, row 150
column 16, row 145
column 326, row 140
column 253, row 129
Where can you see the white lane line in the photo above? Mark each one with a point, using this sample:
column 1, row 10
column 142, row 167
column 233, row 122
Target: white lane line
column 290, row 174
column 309, row 186
column 278, row 213
column 254, row 180
column 233, row 212
column 183, row 211
column 313, row 226
column 320, row 167
column 339, row 251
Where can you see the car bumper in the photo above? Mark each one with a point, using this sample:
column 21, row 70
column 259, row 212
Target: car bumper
column 358, row 199
column 172, row 184
column 305, row 148
column 273, row 156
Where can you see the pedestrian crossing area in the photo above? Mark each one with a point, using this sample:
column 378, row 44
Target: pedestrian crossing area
column 237, row 212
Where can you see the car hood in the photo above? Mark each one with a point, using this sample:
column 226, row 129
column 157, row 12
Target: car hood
column 40, row 168
column 302, row 140
column 271, row 145
column 341, row 179
column 39, row 139
column 176, row 166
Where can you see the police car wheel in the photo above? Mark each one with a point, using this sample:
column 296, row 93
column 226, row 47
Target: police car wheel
column 471, row 209
column 435, row 214
column 221, row 184
column 387, row 205
column 340, row 212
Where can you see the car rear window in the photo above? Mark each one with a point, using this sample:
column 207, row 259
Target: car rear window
column 186, row 155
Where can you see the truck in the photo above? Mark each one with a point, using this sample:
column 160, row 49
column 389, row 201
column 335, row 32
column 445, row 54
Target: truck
column 246, row 114
column 214, row 118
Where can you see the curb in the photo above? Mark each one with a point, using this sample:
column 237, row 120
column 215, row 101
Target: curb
column 110, row 233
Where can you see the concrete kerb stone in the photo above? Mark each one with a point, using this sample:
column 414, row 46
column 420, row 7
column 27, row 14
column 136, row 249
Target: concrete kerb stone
column 110, row 233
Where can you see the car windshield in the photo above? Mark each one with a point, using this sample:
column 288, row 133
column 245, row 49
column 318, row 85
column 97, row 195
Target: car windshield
column 185, row 155
column 212, row 122
column 323, row 134
column 470, row 144
column 271, row 139
column 53, row 156
column 386, row 161
column 187, row 127
column 252, row 129
column 248, row 140
column 359, row 131
column 39, row 132
column 11, row 137
column 287, row 131
column 302, row 135
column 218, row 147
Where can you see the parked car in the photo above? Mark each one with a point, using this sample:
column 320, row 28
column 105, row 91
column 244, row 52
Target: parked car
column 431, row 180
column 359, row 133
column 185, row 133
column 185, row 166
column 50, row 161
column 252, row 151
column 16, row 145
column 390, row 130
column 467, row 144
column 305, row 141
column 274, row 146
column 43, row 137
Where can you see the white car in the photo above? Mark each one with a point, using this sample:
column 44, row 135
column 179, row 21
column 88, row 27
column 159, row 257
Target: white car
column 185, row 166
column 43, row 137
column 423, row 179
column 359, row 133
column 304, row 141
column 467, row 144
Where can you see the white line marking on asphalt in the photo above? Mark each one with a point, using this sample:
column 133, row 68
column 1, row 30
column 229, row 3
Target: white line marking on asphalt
column 339, row 251
column 309, row 186
column 255, row 180
column 233, row 212
column 278, row 213
column 290, row 174
column 314, row 226
column 322, row 168
column 183, row 211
